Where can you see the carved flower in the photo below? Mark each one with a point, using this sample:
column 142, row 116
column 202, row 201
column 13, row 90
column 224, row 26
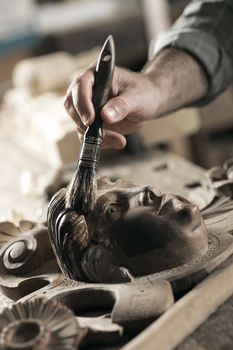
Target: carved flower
column 38, row 324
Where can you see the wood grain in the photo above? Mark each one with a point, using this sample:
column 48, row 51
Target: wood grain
column 188, row 313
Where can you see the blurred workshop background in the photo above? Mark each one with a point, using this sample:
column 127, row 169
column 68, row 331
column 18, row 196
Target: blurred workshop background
column 43, row 44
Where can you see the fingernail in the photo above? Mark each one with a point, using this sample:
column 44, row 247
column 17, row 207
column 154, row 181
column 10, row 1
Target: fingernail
column 114, row 144
column 111, row 112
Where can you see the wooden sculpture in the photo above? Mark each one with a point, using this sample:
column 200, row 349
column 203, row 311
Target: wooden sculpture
column 27, row 261
column 214, row 195
column 132, row 232
column 157, row 243
column 39, row 325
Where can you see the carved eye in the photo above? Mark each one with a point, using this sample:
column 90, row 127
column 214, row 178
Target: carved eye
column 112, row 212
column 184, row 216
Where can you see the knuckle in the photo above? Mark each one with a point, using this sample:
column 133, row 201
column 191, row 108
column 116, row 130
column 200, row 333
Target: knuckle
column 67, row 102
column 122, row 106
column 77, row 78
column 81, row 77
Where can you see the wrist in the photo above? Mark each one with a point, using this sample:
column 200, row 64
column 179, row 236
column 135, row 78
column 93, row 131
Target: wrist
column 178, row 78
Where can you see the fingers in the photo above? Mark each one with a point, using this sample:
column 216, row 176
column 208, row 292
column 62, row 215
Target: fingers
column 124, row 99
column 82, row 97
column 113, row 139
column 115, row 110
column 69, row 106
column 118, row 107
column 113, row 134
column 125, row 127
column 78, row 102
column 136, row 98
column 121, row 106
column 121, row 115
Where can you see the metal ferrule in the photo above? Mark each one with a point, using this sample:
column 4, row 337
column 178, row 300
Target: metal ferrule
column 90, row 152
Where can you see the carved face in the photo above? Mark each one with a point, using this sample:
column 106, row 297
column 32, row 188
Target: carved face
column 146, row 231
column 133, row 231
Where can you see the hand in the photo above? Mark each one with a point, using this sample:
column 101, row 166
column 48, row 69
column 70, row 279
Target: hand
column 172, row 80
column 132, row 100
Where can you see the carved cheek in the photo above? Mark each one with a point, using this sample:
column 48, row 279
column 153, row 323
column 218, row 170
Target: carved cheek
column 140, row 231
column 181, row 212
column 189, row 217
column 184, row 217
column 191, row 229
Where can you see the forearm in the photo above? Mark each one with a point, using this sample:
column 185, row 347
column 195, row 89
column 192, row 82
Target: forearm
column 205, row 30
column 179, row 79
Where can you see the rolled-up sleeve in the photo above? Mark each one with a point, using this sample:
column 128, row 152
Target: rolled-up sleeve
column 205, row 30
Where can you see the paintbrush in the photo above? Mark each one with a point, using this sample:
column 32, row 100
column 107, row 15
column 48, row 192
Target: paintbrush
column 81, row 192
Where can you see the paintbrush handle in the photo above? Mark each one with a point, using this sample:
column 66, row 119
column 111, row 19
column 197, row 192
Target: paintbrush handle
column 91, row 146
column 102, row 85
column 81, row 192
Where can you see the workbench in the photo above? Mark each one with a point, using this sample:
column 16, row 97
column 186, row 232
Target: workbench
column 167, row 171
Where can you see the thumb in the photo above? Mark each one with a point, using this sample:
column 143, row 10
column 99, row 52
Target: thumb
column 118, row 107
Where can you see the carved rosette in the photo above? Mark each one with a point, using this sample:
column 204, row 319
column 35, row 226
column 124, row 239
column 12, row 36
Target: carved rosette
column 38, row 324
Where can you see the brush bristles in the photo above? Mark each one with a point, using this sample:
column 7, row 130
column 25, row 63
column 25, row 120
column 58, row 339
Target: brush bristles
column 81, row 192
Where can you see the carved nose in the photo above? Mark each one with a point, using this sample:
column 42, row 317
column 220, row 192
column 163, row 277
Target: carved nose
column 149, row 198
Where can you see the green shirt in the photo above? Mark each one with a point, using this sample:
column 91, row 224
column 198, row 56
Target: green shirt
column 205, row 30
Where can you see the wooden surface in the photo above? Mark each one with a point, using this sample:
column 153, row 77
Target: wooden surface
column 171, row 173
column 188, row 313
column 215, row 333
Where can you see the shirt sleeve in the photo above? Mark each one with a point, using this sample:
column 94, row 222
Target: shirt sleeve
column 205, row 30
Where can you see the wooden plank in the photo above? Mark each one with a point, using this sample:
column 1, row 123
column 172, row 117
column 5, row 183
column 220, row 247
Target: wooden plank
column 188, row 313
column 182, row 123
